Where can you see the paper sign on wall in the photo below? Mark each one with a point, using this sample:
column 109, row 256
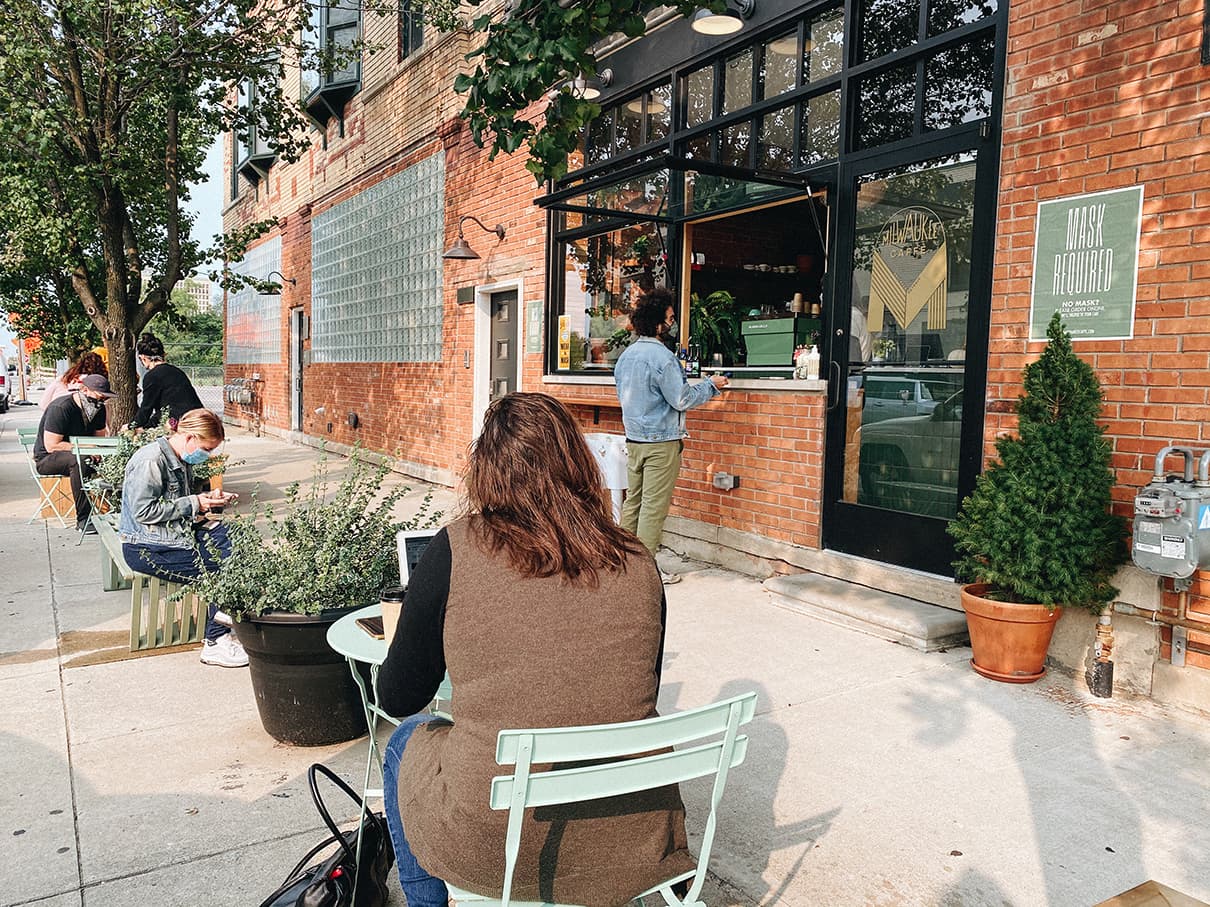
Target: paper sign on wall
column 1086, row 264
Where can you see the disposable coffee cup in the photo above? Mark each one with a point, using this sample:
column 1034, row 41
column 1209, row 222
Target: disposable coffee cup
column 392, row 604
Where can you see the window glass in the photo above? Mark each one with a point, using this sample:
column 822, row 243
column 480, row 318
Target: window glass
column 958, row 85
column 736, row 140
column 659, row 112
column 946, row 14
column 603, row 277
column 778, row 65
column 821, row 128
column 737, row 82
column 346, row 66
column 886, row 106
column 343, row 12
column 630, row 125
column 823, row 53
column 699, row 92
column 254, row 319
column 411, row 27
column 700, row 148
column 600, row 137
column 888, row 26
column 777, row 140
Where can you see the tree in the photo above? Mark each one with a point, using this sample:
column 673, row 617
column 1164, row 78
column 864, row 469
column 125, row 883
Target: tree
column 108, row 110
column 191, row 336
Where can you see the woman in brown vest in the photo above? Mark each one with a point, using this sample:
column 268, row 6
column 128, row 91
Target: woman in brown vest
column 546, row 614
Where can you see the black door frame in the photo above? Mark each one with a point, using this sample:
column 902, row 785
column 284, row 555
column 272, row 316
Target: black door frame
column 890, row 536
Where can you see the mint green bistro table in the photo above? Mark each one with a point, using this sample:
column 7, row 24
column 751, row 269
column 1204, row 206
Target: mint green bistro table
column 357, row 646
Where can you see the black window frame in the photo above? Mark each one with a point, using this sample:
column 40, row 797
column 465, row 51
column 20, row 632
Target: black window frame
column 411, row 28
column 258, row 154
column 333, row 89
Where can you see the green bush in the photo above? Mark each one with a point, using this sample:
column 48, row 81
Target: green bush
column 322, row 552
column 1037, row 527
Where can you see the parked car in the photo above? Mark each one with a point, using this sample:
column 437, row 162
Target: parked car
column 6, row 381
column 894, row 397
column 911, row 463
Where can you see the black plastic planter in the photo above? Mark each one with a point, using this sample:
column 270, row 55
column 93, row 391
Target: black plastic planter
column 304, row 691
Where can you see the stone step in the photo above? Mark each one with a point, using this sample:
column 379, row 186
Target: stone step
column 888, row 616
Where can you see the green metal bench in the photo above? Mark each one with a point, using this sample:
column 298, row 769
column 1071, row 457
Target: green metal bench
column 160, row 614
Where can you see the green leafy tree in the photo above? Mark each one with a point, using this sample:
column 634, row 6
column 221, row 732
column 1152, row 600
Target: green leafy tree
column 108, row 111
column 1038, row 526
column 536, row 46
column 191, row 336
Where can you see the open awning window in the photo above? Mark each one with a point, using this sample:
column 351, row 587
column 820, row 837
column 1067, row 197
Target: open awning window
column 668, row 189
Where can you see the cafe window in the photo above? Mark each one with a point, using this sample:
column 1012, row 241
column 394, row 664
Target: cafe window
column 604, row 275
column 628, row 125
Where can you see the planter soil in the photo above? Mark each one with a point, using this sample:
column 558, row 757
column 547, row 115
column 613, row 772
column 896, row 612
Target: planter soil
column 304, row 691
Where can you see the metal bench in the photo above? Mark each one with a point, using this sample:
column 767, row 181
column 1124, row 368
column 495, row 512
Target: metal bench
column 161, row 613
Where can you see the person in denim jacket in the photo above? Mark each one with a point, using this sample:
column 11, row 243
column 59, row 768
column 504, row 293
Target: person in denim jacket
column 163, row 526
column 655, row 395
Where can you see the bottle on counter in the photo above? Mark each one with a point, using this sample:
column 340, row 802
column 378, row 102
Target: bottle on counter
column 812, row 364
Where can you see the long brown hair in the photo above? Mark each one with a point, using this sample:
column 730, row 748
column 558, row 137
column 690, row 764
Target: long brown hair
column 536, row 492
column 88, row 364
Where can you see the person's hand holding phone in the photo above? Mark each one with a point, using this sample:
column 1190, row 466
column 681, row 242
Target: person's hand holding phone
column 214, row 501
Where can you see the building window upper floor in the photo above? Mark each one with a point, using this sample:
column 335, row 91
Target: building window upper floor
column 333, row 75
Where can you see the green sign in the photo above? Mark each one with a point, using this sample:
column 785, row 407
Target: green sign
column 533, row 326
column 1086, row 264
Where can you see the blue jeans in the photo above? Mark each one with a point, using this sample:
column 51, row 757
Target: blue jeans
column 420, row 888
column 180, row 565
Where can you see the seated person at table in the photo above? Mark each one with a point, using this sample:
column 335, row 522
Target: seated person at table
column 166, row 530
column 80, row 414
column 546, row 613
column 166, row 389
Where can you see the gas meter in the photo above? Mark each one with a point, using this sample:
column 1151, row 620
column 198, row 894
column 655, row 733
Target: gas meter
column 1172, row 519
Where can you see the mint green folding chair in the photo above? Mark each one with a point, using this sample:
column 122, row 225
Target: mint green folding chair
column 100, row 492
column 623, row 775
column 28, row 438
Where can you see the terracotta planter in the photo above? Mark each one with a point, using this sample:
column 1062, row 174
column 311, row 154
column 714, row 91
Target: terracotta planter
column 1009, row 640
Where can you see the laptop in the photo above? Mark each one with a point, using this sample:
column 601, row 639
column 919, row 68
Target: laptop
column 412, row 544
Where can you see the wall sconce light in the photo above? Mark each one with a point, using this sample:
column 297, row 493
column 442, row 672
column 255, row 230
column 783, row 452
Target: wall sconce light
column 269, row 277
column 728, row 22
column 589, row 89
column 462, row 249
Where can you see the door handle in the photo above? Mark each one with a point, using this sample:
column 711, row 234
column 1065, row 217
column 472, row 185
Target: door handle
column 833, row 385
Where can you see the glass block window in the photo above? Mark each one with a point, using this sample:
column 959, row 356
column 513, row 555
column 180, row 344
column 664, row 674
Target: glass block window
column 376, row 271
column 254, row 319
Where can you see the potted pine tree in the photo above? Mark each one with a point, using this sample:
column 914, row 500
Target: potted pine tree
column 1037, row 534
column 292, row 573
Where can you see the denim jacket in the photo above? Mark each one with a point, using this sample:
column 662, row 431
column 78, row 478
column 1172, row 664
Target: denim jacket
column 157, row 507
column 654, row 392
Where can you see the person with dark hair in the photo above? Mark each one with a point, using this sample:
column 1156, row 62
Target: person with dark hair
column 165, row 387
column 655, row 395
column 515, row 599
column 69, row 383
column 80, row 414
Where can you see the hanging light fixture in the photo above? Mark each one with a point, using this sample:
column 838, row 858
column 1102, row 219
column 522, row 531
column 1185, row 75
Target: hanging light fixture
column 728, row 22
column 461, row 248
column 589, row 89
column 654, row 105
column 786, row 45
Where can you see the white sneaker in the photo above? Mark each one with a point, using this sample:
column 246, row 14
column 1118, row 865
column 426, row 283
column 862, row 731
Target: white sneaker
column 226, row 652
column 670, row 579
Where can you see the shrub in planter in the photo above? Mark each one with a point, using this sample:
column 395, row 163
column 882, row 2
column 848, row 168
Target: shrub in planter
column 292, row 572
column 1037, row 530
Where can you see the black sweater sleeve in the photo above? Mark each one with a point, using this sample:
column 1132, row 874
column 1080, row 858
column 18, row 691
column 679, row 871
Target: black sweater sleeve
column 148, row 414
column 415, row 663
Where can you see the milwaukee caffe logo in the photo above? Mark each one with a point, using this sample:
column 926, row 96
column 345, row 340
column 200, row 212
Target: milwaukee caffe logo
column 910, row 271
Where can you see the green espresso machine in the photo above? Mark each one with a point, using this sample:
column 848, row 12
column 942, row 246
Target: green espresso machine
column 772, row 341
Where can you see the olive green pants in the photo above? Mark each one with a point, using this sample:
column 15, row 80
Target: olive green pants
column 651, row 471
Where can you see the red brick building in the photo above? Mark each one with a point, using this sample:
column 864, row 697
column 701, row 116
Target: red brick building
column 880, row 185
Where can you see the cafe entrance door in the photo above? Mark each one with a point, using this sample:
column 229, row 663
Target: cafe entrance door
column 908, row 345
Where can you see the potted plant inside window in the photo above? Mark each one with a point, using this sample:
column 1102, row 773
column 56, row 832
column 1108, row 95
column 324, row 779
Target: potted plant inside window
column 714, row 326
column 1037, row 534
column 292, row 574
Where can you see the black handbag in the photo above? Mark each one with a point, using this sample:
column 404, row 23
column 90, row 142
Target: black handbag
column 330, row 883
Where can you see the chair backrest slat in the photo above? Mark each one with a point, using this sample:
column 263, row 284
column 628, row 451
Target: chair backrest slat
column 604, row 741
column 594, row 782
column 95, row 447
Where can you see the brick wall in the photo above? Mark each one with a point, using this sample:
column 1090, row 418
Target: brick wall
column 1103, row 95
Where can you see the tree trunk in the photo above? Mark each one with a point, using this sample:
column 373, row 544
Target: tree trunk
column 123, row 377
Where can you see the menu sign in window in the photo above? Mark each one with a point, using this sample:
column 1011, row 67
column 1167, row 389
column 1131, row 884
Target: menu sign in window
column 1086, row 264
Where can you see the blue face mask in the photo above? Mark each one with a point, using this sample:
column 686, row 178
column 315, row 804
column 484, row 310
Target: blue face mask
column 196, row 457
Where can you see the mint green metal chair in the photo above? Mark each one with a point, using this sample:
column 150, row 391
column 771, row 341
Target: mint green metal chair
column 623, row 775
column 28, row 438
column 100, row 492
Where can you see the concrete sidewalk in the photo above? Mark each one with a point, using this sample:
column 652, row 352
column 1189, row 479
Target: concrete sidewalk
column 877, row 775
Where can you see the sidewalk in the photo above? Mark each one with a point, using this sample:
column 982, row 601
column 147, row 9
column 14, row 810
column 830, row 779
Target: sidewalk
column 877, row 775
